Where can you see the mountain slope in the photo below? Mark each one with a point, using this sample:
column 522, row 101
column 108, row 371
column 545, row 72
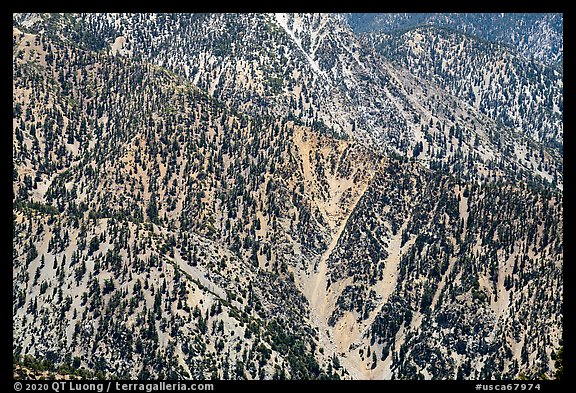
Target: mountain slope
column 107, row 195
column 510, row 89
column 312, row 68
column 202, row 217
column 537, row 35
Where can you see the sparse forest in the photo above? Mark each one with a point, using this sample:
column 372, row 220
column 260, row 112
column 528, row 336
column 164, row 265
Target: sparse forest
column 195, row 199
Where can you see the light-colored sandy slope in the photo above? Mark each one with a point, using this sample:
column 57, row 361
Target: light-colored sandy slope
column 320, row 301
column 335, row 212
column 338, row 339
column 347, row 336
column 118, row 45
column 350, row 333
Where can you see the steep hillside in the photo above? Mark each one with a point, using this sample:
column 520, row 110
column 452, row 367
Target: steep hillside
column 537, row 35
column 429, row 276
column 105, row 182
column 269, row 197
column 312, row 68
column 516, row 92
